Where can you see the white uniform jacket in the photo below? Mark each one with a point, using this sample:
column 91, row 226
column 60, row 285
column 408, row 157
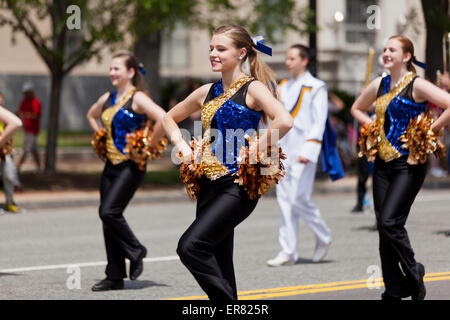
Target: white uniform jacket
column 306, row 98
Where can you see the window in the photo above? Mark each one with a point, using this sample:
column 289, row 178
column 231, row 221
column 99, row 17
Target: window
column 175, row 48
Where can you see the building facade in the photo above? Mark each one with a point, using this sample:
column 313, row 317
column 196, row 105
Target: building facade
column 347, row 29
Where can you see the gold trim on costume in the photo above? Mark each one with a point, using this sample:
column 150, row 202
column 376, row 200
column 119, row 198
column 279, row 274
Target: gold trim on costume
column 213, row 168
column 113, row 154
column 386, row 151
column 299, row 101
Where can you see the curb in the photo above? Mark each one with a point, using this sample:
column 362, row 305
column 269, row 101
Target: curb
column 70, row 199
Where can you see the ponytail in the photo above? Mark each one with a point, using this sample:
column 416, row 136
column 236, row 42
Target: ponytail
column 262, row 72
column 258, row 69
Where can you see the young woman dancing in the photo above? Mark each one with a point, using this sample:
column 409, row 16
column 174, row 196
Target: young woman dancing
column 400, row 97
column 235, row 102
column 121, row 112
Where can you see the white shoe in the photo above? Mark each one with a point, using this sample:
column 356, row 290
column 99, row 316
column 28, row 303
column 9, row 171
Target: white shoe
column 280, row 260
column 320, row 252
column 438, row 172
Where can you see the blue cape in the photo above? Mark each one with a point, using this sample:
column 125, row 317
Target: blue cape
column 331, row 163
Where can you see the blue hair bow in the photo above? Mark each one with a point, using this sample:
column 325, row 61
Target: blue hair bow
column 142, row 70
column 257, row 43
column 418, row 63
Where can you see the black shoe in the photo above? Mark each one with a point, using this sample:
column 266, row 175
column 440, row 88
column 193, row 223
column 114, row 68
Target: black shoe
column 108, row 284
column 136, row 267
column 421, row 291
column 358, row 208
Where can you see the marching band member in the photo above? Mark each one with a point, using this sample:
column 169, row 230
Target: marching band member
column 305, row 97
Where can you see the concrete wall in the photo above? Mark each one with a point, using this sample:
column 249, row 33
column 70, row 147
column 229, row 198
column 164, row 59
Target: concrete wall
column 79, row 93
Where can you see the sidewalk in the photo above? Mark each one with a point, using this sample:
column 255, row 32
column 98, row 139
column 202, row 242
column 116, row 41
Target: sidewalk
column 84, row 160
column 76, row 198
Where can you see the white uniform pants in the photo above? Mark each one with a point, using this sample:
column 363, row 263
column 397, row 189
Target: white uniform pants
column 293, row 195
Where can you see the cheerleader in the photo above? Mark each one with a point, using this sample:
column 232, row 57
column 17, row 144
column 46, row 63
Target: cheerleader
column 121, row 112
column 9, row 124
column 400, row 97
column 235, row 102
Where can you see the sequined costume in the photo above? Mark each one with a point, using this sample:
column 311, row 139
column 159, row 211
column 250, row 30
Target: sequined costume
column 228, row 122
column 119, row 120
column 206, row 248
column 120, row 179
column 395, row 116
column 395, row 186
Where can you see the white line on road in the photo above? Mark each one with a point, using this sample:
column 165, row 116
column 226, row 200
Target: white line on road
column 82, row 264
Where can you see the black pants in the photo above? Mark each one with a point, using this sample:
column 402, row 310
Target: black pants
column 363, row 176
column 206, row 248
column 118, row 185
column 395, row 186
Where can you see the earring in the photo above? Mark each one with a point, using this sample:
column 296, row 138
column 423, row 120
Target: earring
column 240, row 58
column 404, row 60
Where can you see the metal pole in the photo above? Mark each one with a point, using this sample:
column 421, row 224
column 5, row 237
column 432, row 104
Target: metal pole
column 313, row 39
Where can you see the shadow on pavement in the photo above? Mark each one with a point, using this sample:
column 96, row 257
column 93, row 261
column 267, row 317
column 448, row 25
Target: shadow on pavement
column 444, row 232
column 137, row 284
column 371, row 228
column 309, row 261
column 9, row 274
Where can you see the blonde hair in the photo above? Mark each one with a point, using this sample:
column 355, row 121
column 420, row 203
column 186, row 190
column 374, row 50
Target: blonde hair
column 258, row 69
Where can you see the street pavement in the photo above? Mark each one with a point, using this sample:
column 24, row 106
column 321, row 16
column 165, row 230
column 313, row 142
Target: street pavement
column 56, row 252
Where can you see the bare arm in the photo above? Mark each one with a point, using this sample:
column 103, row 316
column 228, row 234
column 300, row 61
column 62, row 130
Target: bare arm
column 425, row 90
column 12, row 122
column 262, row 99
column 144, row 104
column 95, row 112
column 180, row 112
column 364, row 102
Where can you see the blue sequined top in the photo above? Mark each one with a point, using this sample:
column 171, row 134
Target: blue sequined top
column 399, row 113
column 125, row 121
column 232, row 121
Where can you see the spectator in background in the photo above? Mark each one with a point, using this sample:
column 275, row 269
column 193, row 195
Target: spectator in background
column 30, row 113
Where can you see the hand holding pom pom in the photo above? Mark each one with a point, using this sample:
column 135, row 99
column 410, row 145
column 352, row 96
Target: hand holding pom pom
column 259, row 171
column 7, row 148
column 369, row 139
column 421, row 140
column 138, row 146
column 191, row 169
column 99, row 144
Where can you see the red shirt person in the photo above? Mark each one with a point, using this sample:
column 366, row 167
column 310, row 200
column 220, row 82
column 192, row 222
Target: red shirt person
column 30, row 112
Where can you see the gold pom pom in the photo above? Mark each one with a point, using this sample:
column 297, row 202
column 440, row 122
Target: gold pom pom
column 421, row 140
column 258, row 173
column 138, row 146
column 99, row 144
column 369, row 139
column 190, row 173
column 7, row 148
